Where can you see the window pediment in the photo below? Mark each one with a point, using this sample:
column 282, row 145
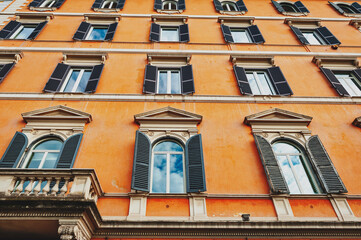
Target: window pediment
column 336, row 62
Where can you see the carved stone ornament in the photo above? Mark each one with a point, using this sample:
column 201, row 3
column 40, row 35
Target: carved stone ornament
column 71, row 232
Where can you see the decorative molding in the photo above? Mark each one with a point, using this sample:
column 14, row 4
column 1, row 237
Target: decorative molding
column 303, row 22
column 173, row 19
column 27, row 17
column 10, row 56
column 357, row 122
column 74, row 58
column 356, row 23
column 236, row 21
column 175, row 60
column 99, row 18
column 252, row 61
column 337, row 63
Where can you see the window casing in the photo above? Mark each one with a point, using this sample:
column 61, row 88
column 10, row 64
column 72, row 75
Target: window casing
column 24, row 31
column 169, row 5
column 97, row 32
column 260, row 82
column 241, row 35
column 169, row 81
column 349, row 82
column 229, row 6
column 313, row 37
column 169, row 34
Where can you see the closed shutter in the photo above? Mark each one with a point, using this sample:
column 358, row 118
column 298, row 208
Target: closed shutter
column 256, row 34
column 97, row 4
column 150, row 79
column 141, row 163
column 301, row 7
column 299, row 35
column 196, row 178
column 227, row 33
column 14, row 151
column 328, row 36
column 68, row 152
column 183, row 33
column 181, row 5
column 278, row 6
column 94, row 78
column 274, row 175
column 335, row 6
column 36, row 3
column 324, row 166
column 218, row 5
column 56, row 78
column 58, row 3
column 111, row 31
column 241, row 6
column 37, row 30
column 356, row 7
column 5, row 70
column 9, row 29
column 120, row 4
column 158, row 4
column 187, row 81
column 242, row 80
column 154, row 32
column 82, row 31
column 334, row 82
column 279, row 81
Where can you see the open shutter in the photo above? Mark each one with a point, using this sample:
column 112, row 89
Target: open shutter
column 324, row 166
column 279, row 81
column 68, row 152
column 187, row 81
column 278, row 6
column 241, row 6
column 299, row 35
column 58, row 3
column 111, row 31
column 334, row 82
column 97, row 4
column 158, row 4
column 36, row 3
column 82, row 31
column 274, row 175
column 141, row 162
column 218, row 5
column 154, row 32
column 256, row 34
column 356, row 72
column 56, row 78
column 181, row 5
column 301, row 7
column 196, row 178
column 120, row 4
column 328, row 36
column 335, row 6
column 356, row 6
column 150, row 79
column 9, row 29
column 5, row 70
column 94, row 78
column 14, row 151
column 242, row 80
column 183, row 33
column 37, row 30
column 227, row 33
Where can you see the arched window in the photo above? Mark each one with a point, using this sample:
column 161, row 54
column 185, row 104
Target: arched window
column 44, row 154
column 295, row 168
column 167, row 174
column 229, row 6
column 109, row 4
column 170, row 5
column 289, row 7
column 48, row 3
column 346, row 8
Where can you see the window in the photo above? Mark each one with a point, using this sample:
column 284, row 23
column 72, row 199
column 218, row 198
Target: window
column 76, row 80
column 44, row 154
column 94, row 32
column 169, row 34
column 24, row 31
column 168, row 168
column 249, row 34
column 48, row 3
column 349, row 82
column 18, row 30
column 97, row 32
column 169, row 5
column 288, row 7
column 240, row 35
column 229, row 6
column 313, row 37
column 169, row 82
column 260, row 83
column 291, row 8
column 347, row 9
column 108, row 5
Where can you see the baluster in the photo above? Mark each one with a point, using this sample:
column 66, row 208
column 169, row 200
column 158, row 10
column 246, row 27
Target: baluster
column 37, row 188
column 29, row 187
column 64, row 188
column 55, row 189
column 20, row 187
column 46, row 188
column 11, row 186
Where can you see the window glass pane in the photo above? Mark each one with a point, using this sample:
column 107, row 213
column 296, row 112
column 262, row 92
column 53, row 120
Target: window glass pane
column 50, row 160
column 253, row 84
column 175, row 85
column 229, row 6
column 159, row 173
column 169, row 34
column 98, row 33
column 288, row 175
column 350, row 83
column 301, row 174
column 311, row 38
column 240, row 36
column 69, row 86
column 176, row 173
column 35, row 160
column 162, row 83
column 266, row 84
column 49, row 145
column 25, row 32
column 284, row 148
column 83, row 81
column 168, row 146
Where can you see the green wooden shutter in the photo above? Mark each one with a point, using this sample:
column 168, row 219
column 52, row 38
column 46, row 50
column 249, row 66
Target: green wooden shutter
column 82, row 31
column 334, row 82
column 5, row 70
column 255, row 34
column 241, row 6
column 328, row 36
column 196, row 179
column 111, row 31
column 181, row 5
column 183, row 33
column 227, row 33
column 56, row 78
column 278, row 6
column 301, row 7
column 299, row 35
column 335, row 6
column 9, row 29
column 187, row 81
column 15, row 150
column 120, row 4
column 279, row 81
column 68, row 152
column 150, row 79
column 36, row 3
column 37, row 30
column 94, row 78
column 242, row 80
column 154, row 32
column 218, row 5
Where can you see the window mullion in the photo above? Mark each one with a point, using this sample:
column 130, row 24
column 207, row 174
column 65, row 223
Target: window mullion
column 168, row 173
column 295, row 174
column 76, row 84
column 169, row 79
column 43, row 160
column 255, row 74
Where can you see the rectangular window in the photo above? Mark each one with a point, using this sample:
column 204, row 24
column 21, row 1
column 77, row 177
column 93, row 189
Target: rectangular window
column 97, row 32
column 260, row 83
column 169, row 82
column 169, row 34
column 240, row 35
column 349, row 82
column 76, row 80
column 313, row 37
column 24, row 31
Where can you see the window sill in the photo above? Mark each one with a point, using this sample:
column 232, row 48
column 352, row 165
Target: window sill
column 355, row 15
column 42, row 9
column 106, row 10
column 169, row 11
column 233, row 12
column 295, row 14
column 89, row 40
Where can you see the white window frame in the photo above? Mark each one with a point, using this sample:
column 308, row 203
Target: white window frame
column 258, row 82
column 227, row 5
column 111, row 4
column 169, row 80
column 165, row 28
column 239, row 30
column 346, row 83
column 169, row 3
column 76, row 84
column 17, row 32
column 320, row 40
column 48, row 3
column 91, row 30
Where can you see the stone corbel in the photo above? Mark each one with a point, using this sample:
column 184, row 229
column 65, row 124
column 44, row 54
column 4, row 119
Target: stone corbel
column 282, row 207
column 197, row 206
column 342, row 208
column 137, row 206
column 73, row 230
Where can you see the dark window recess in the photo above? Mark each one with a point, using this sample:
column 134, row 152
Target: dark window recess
column 99, row 3
column 253, row 32
column 334, row 82
column 12, row 26
column 14, row 151
column 69, row 151
column 299, row 35
column 241, row 7
column 5, row 69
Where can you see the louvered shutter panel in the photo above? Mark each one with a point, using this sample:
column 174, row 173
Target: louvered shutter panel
column 154, row 32
column 356, row 72
column 242, row 80
column 356, row 6
column 82, row 31
column 58, row 3
column 278, row 6
column 335, row 6
column 255, row 34
column 36, row 3
column 37, row 30
column 301, row 7
column 181, row 5
column 334, row 82
column 218, row 5
column 94, row 78
column 299, row 35
column 141, row 163
column 9, row 29
column 68, row 152
column 227, row 33
column 158, row 4
column 241, row 6
column 324, row 166
column 120, row 4
column 56, row 78
column 328, row 36
column 274, row 175
column 187, row 81
column 196, row 178
column 97, row 4
column 183, row 33
column 14, row 151
column 5, row 70
column 111, row 31
column 279, row 81
column 150, row 79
